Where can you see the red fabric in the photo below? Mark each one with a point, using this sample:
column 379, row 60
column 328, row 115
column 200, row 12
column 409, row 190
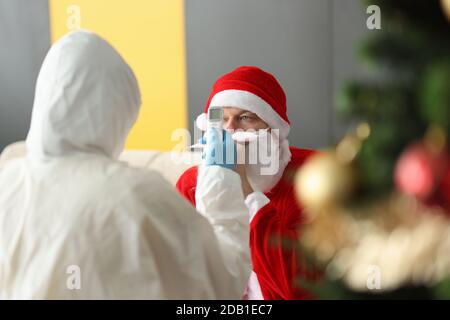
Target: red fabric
column 276, row 265
column 256, row 81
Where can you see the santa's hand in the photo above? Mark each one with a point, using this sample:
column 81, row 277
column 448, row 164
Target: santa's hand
column 219, row 152
column 240, row 169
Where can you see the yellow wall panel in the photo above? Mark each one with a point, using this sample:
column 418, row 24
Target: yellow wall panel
column 150, row 36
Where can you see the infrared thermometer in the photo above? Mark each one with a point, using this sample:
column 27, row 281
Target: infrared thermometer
column 215, row 120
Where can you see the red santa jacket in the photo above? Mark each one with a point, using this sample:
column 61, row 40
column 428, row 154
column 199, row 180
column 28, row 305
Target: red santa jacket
column 277, row 264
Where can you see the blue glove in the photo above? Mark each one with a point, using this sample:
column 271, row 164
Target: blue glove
column 219, row 153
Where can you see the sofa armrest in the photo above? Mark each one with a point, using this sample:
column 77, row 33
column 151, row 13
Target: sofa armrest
column 13, row 151
column 170, row 164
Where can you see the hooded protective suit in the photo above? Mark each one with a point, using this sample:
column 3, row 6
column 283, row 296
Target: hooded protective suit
column 76, row 223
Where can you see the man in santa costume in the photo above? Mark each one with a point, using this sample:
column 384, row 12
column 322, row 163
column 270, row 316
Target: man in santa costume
column 252, row 99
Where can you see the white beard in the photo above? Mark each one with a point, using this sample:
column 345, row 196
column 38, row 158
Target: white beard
column 263, row 173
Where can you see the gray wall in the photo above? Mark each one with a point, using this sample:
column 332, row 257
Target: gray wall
column 24, row 41
column 307, row 44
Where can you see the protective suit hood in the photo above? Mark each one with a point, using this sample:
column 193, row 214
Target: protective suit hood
column 81, row 80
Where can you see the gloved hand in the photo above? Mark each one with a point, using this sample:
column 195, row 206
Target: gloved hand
column 219, row 153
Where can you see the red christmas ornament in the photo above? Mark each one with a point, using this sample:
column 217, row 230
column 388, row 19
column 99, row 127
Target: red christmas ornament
column 424, row 174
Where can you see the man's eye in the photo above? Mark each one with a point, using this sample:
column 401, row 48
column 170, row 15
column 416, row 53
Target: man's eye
column 246, row 118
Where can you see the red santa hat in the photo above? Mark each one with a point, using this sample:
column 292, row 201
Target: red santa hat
column 252, row 89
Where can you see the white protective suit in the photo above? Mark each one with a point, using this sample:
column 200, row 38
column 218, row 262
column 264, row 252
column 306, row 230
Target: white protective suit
column 76, row 223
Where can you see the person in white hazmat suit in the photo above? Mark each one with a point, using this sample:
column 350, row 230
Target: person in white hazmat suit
column 77, row 224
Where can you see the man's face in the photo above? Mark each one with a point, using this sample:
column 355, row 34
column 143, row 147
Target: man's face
column 237, row 118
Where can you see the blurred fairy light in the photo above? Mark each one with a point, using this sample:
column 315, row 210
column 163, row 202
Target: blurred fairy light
column 347, row 149
column 363, row 131
column 409, row 243
column 436, row 139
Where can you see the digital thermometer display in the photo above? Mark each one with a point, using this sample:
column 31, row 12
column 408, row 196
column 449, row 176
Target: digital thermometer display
column 215, row 114
column 215, row 120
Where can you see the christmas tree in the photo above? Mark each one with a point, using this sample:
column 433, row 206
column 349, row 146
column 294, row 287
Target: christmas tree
column 379, row 202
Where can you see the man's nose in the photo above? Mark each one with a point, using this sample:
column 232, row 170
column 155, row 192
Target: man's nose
column 229, row 124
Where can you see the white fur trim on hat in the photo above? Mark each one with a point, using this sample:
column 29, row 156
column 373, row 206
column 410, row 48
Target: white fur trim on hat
column 251, row 102
column 202, row 121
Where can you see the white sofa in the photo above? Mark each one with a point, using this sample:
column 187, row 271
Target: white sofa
column 170, row 164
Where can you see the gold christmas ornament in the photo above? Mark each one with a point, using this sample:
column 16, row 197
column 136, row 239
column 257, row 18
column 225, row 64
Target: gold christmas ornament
column 446, row 7
column 324, row 182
